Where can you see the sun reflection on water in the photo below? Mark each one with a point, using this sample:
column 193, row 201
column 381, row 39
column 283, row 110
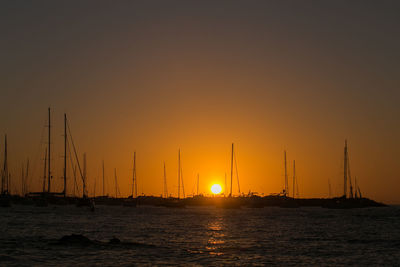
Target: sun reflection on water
column 216, row 236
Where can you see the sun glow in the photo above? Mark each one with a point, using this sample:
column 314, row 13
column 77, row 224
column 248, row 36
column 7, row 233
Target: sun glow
column 216, row 188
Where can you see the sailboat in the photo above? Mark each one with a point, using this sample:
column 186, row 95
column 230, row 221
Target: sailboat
column 41, row 198
column 348, row 201
column 230, row 202
column 131, row 201
column 85, row 200
column 46, row 195
column 287, row 201
column 171, row 202
column 5, row 200
column 103, row 199
column 165, row 183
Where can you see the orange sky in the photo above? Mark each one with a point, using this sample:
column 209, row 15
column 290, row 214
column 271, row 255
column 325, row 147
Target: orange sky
column 156, row 77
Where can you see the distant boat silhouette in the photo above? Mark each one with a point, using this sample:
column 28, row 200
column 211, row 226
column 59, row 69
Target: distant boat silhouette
column 353, row 201
column 288, row 202
column 5, row 200
column 39, row 198
column 85, row 200
column 131, row 201
column 230, row 202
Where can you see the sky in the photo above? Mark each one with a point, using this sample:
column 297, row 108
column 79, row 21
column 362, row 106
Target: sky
column 158, row 76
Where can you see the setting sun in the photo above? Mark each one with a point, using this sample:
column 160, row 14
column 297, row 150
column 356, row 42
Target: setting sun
column 216, row 189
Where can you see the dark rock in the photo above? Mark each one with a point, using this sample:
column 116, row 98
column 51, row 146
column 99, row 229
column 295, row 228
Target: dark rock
column 114, row 240
column 75, row 239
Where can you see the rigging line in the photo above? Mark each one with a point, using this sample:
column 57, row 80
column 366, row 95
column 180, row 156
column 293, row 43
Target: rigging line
column 165, row 183
column 179, row 173
column 119, row 193
column 75, row 183
column 76, row 155
column 74, row 167
column 22, row 179
column 136, row 195
column 133, row 180
column 94, row 189
column 194, row 186
column 116, row 183
column 108, row 186
column 27, row 176
column 183, row 187
column 105, row 181
column 44, row 170
column 26, row 186
column 237, row 173
column 38, row 155
column 349, row 175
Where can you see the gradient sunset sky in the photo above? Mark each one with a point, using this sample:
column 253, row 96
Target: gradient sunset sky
column 156, row 76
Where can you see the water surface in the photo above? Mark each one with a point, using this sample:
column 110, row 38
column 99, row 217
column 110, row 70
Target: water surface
column 200, row 236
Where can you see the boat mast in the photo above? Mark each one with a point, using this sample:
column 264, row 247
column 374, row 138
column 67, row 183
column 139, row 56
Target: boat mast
column 133, row 174
column 103, row 177
column 225, row 189
column 94, row 188
column 286, row 177
column 2, row 182
column 165, row 183
column 65, row 155
column 9, row 184
column 294, row 176
column 22, row 180
column 135, row 178
column 5, row 176
column 75, row 185
column 329, row 187
column 84, row 176
column 27, row 176
column 237, row 173
column 198, row 181
column 230, row 194
column 349, row 175
column 134, row 184
column 49, row 156
column 6, row 173
column 44, row 171
column 345, row 170
column 116, row 184
column 355, row 188
column 183, row 186
column 179, row 173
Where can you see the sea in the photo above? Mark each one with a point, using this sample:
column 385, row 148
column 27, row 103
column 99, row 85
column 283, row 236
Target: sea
column 198, row 236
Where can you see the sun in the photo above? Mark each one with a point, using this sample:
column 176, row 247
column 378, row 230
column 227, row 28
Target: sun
column 216, row 188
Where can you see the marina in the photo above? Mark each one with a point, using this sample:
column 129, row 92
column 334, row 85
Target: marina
column 352, row 197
